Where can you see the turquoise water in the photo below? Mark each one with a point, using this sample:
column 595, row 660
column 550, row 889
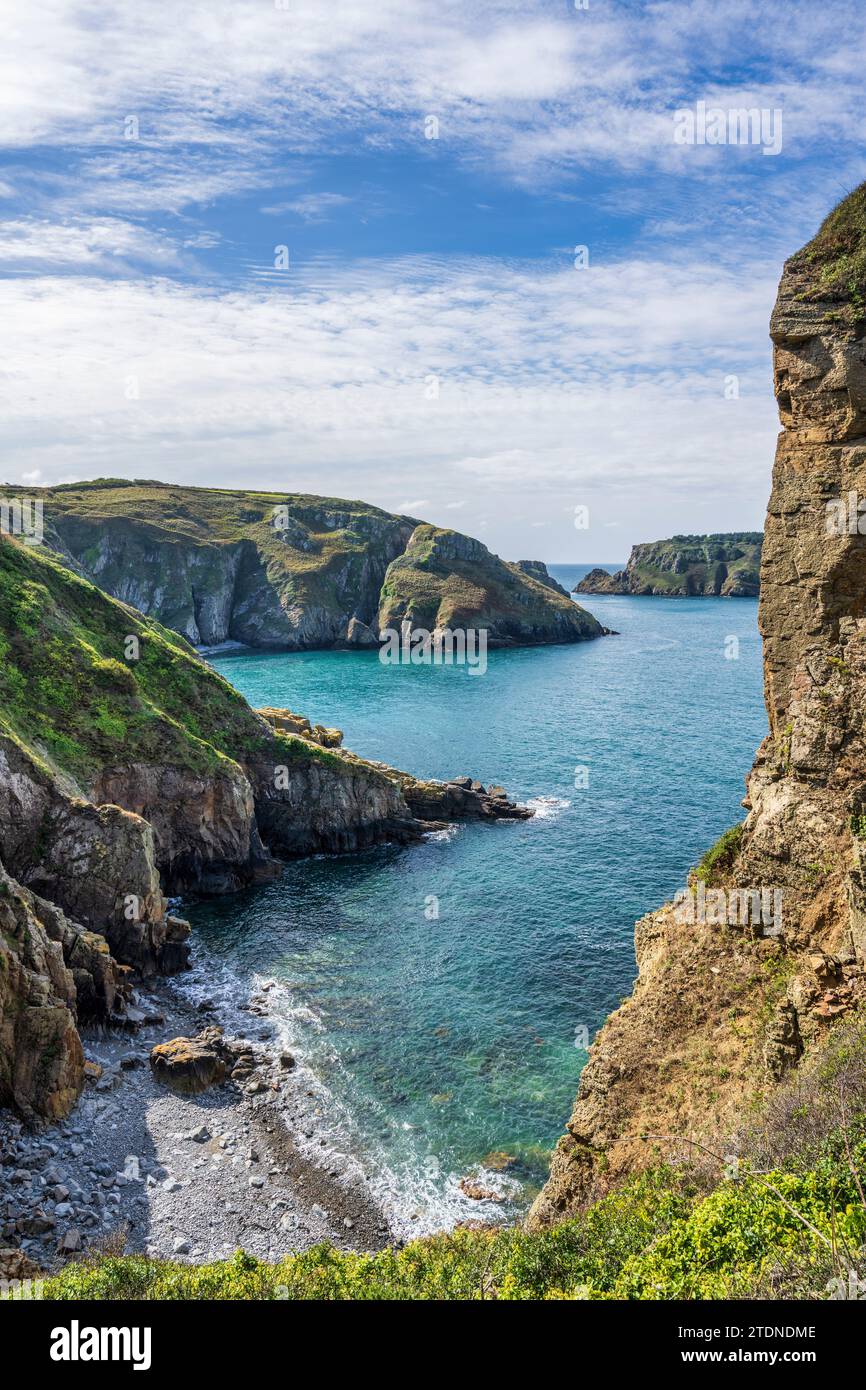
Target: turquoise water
column 437, row 1039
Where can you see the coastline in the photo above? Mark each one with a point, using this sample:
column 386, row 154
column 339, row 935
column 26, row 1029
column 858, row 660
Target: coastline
column 138, row 1167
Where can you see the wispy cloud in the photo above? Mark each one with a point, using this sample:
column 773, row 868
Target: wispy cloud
column 551, row 386
column 311, row 207
column 537, row 91
column 134, row 133
column 28, row 244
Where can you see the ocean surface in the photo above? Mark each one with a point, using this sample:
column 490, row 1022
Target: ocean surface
column 441, row 996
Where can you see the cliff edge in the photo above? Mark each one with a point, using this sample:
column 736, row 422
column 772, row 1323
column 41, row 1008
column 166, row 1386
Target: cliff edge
column 724, row 1009
column 293, row 572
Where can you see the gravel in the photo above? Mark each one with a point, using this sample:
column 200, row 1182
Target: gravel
column 185, row 1177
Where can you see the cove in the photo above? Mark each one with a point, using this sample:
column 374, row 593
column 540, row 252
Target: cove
column 448, row 1045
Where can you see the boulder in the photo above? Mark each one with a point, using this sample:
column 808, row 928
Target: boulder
column 470, row 1188
column 190, row 1065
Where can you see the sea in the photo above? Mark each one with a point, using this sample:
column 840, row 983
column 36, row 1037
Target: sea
column 440, row 998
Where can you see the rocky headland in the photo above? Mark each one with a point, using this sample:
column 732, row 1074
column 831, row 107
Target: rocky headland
column 293, row 572
column 720, row 566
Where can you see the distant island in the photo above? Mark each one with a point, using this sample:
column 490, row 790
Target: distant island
column 726, row 565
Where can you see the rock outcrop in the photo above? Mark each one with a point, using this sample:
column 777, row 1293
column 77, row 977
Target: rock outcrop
column 444, row 580
column 725, row 565
column 191, row 1065
column 285, row 722
column 53, row 973
column 722, row 1010
column 294, row 572
column 537, row 570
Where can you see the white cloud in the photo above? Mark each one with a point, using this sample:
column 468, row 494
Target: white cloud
column 559, row 388
column 222, row 88
column 100, row 243
column 554, row 387
column 311, row 207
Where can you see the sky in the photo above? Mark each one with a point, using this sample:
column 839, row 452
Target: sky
column 462, row 260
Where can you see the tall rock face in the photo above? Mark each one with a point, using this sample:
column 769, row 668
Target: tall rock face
column 53, row 973
column 289, row 571
column 723, row 1009
column 719, row 566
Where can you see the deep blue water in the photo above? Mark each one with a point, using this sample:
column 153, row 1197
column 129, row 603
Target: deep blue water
column 441, row 1038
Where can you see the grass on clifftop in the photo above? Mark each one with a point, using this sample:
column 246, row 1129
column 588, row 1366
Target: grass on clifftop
column 838, row 251
column 70, row 694
column 435, row 587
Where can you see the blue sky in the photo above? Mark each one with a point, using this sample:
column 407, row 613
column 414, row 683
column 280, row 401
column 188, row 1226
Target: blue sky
column 430, row 345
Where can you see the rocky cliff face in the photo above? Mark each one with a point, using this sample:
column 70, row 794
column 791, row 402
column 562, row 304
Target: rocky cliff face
column 293, row 572
column 722, row 1010
column 130, row 770
column 53, row 973
column 724, row 565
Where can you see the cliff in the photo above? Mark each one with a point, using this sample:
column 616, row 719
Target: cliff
column 725, row 565
column 722, row 1012
column 445, row 580
column 130, row 770
column 293, row 572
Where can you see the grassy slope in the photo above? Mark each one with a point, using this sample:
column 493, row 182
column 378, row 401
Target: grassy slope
column 70, row 696
column 838, row 253
column 214, row 516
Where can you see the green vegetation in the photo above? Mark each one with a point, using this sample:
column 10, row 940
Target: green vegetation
column 720, row 857
column 722, row 563
column 447, row 580
column 838, row 252
column 73, row 694
column 658, row 1237
column 785, row 1221
column 287, row 569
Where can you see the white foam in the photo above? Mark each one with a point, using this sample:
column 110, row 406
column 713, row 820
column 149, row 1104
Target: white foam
column 548, row 807
column 416, row 1195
